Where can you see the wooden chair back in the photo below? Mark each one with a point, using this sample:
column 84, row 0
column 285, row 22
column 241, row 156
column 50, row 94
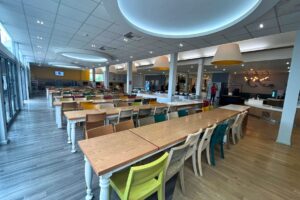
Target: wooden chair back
column 94, row 120
column 125, row 115
column 99, row 131
column 125, row 125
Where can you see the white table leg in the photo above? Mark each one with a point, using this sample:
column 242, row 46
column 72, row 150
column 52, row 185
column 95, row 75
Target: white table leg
column 58, row 116
column 50, row 100
column 104, row 186
column 73, row 138
column 88, row 179
column 69, row 131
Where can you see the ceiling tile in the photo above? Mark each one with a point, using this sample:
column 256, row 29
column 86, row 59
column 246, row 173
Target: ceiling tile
column 86, row 6
column 72, row 13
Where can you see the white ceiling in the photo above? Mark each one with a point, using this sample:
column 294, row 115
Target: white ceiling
column 78, row 24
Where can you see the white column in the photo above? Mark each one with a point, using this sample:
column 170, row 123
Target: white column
column 129, row 78
column 106, row 77
column 291, row 97
column 3, row 129
column 186, row 88
column 94, row 74
column 199, row 77
column 172, row 75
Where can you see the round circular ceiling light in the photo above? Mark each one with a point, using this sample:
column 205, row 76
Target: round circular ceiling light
column 64, row 65
column 84, row 57
column 184, row 19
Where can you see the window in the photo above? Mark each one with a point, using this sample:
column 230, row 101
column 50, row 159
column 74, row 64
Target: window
column 99, row 76
column 5, row 38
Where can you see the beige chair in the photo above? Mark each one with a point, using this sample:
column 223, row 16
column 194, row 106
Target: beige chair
column 99, row 131
column 242, row 123
column 193, row 140
column 172, row 115
column 204, row 145
column 125, row 115
column 175, row 163
column 95, row 120
column 146, row 121
column 160, row 110
column 236, row 130
column 122, row 104
column 125, row 125
column 106, row 106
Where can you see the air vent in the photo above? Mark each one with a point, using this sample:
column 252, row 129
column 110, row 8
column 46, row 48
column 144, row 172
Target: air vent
column 132, row 36
column 106, row 48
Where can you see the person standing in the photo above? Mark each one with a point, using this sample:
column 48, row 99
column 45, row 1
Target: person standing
column 213, row 92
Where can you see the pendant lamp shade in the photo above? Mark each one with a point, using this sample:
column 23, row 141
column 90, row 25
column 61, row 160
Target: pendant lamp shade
column 228, row 54
column 161, row 63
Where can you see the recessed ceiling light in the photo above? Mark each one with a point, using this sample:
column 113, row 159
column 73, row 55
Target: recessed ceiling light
column 38, row 46
column 125, row 39
column 117, row 60
column 261, row 25
column 288, row 67
column 151, row 52
column 180, row 45
column 93, row 45
column 40, row 22
column 107, row 62
column 287, row 62
column 289, row 71
column 224, row 69
column 234, row 72
column 39, row 37
column 131, row 56
column 216, row 67
column 243, row 65
column 251, row 69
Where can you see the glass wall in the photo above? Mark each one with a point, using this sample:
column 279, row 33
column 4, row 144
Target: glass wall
column 10, row 88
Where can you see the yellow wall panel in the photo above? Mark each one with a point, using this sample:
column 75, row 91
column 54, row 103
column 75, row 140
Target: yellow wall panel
column 38, row 73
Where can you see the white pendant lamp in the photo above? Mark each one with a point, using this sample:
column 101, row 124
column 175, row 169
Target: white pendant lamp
column 161, row 63
column 228, row 54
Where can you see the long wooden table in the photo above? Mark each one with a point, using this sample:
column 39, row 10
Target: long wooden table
column 161, row 136
column 58, row 107
column 74, row 117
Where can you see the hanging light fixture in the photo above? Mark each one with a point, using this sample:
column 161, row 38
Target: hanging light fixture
column 161, row 63
column 228, row 54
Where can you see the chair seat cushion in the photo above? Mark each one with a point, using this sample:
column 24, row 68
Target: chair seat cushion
column 118, row 182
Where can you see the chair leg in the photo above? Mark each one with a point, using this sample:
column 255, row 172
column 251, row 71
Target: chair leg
column 181, row 177
column 199, row 162
column 233, row 136
column 212, row 155
column 195, row 163
column 222, row 150
column 228, row 142
column 161, row 193
column 208, row 155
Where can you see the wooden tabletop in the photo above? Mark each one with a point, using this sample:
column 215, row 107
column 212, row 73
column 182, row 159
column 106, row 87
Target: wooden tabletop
column 81, row 114
column 172, row 131
column 99, row 101
column 114, row 150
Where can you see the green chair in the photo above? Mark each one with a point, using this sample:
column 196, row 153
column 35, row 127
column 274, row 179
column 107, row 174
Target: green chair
column 182, row 113
column 160, row 118
column 142, row 181
column 217, row 139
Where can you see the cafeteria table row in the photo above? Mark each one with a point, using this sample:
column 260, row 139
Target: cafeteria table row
column 111, row 153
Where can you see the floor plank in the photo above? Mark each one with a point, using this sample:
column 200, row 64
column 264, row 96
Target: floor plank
column 37, row 164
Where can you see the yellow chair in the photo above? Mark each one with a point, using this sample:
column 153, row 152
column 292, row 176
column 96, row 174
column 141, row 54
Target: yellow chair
column 142, row 181
column 88, row 106
column 206, row 108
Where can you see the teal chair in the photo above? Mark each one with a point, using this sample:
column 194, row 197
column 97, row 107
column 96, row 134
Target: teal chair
column 217, row 139
column 160, row 118
column 182, row 113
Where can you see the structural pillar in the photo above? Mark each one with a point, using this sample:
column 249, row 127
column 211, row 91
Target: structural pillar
column 199, row 77
column 94, row 77
column 186, row 85
column 106, row 77
column 291, row 97
column 129, row 77
column 172, row 75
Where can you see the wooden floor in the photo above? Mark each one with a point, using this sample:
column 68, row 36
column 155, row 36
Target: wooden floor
column 37, row 164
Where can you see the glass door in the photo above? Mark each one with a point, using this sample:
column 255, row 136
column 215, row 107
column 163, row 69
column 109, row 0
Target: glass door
column 5, row 85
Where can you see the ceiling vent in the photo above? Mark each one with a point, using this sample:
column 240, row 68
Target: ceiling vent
column 132, row 36
column 106, row 48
